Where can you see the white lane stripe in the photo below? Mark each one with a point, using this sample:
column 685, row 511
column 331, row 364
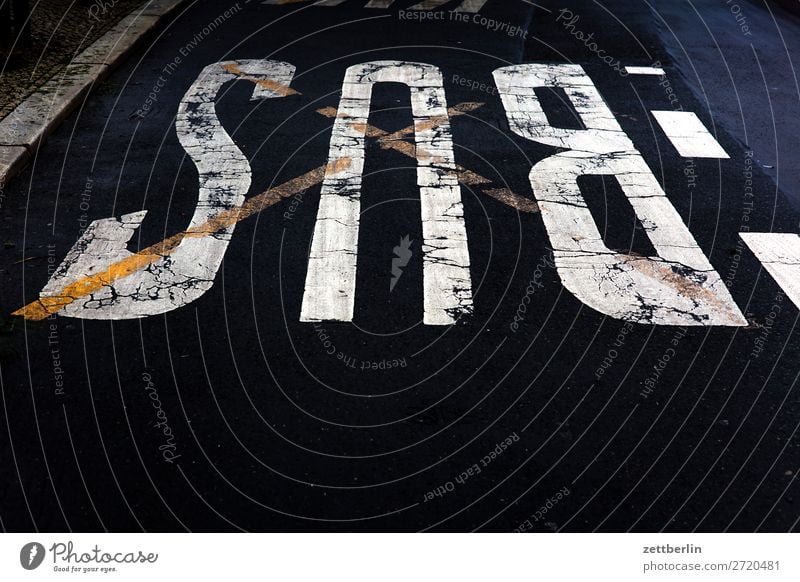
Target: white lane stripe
column 780, row 255
column 317, row 3
column 688, row 135
column 471, row 6
column 465, row 6
column 678, row 286
column 331, row 278
column 428, row 4
column 224, row 179
column 645, row 71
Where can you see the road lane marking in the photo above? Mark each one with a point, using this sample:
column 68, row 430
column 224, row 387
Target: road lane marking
column 428, row 4
column 678, row 286
column 331, row 278
column 645, row 71
column 471, row 6
column 780, row 255
column 688, row 135
column 282, row 2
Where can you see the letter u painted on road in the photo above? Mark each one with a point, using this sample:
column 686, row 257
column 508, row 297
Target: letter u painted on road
column 331, row 279
column 678, row 286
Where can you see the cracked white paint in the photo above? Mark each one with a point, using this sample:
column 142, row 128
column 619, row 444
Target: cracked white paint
column 465, row 6
column 471, row 6
column 645, row 71
column 317, row 3
column 428, row 4
column 780, row 255
column 688, row 135
column 331, row 279
column 678, row 286
column 188, row 271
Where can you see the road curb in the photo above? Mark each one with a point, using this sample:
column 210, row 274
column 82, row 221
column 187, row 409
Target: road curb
column 33, row 120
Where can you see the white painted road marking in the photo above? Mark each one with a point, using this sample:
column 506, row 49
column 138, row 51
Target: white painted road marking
column 428, row 4
column 688, row 135
column 331, row 279
column 677, row 287
column 132, row 264
column 188, row 272
column 316, row 3
column 100, row 279
column 395, row 142
column 645, row 71
column 473, row 6
column 780, row 255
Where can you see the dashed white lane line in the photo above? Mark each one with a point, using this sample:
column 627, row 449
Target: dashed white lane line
column 780, row 255
column 331, row 279
column 645, row 71
column 678, row 286
column 379, row 3
column 688, row 135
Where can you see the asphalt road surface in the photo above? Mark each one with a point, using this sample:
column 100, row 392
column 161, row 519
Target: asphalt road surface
column 353, row 305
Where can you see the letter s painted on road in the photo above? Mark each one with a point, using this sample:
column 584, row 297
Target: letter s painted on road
column 183, row 272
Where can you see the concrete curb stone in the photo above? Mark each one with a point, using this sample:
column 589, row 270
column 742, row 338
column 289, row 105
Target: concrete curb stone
column 29, row 124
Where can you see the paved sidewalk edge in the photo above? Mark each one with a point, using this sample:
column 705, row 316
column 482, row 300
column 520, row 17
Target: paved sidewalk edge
column 29, row 124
